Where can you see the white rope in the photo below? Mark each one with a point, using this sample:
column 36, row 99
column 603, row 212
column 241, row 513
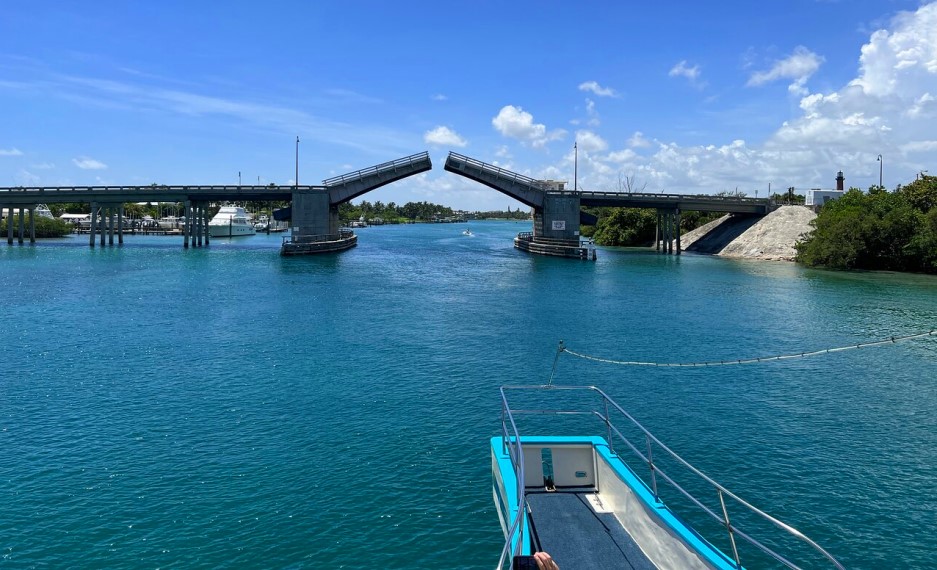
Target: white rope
column 891, row 340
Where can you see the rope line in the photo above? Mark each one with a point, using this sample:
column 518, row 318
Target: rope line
column 891, row 340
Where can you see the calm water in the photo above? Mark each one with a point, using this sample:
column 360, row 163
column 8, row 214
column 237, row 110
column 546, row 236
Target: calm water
column 225, row 406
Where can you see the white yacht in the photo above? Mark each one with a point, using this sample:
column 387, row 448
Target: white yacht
column 231, row 221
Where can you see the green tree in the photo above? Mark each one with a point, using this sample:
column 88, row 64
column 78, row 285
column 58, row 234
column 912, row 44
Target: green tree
column 873, row 230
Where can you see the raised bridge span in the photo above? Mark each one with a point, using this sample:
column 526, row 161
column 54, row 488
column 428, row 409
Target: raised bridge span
column 557, row 214
column 314, row 208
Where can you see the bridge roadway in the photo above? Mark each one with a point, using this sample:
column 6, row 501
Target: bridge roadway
column 27, row 195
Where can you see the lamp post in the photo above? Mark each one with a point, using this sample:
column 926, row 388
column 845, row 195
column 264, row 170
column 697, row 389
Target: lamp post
column 881, row 164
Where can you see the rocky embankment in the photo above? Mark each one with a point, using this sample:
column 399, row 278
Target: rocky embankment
column 771, row 237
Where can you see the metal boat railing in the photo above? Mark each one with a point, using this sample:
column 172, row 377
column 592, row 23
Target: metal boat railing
column 512, row 444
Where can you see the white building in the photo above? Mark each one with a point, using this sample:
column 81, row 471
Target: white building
column 818, row 196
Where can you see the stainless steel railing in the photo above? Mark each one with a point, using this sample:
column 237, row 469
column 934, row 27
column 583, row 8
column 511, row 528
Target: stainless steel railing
column 511, row 443
column 512, row 440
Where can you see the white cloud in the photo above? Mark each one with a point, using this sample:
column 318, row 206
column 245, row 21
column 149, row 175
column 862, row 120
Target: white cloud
column 515, row 122
column 889, row 108
column 444, row 136
column 43, row 166
column 684, row 70
column 590, row 142
column 798, row 66
column 637, row 140
column 10, row 152
column 439, row 97
column 86, row 163
column 593, row 114
column 595, row 88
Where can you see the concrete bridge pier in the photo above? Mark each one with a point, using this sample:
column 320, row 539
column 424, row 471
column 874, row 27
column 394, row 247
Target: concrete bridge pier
column 22, row 226
column 197, row 221
column 120, row 224
column 32, row 224
column 110, row 225
column 313, row 214
column 187, row 226
column 668, row 231
column 559, row 217
column 204, row 222
column 9, row 210
column 94, row 222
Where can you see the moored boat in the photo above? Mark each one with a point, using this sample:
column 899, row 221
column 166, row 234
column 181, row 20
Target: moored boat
column 231, row 221
column 580, row 498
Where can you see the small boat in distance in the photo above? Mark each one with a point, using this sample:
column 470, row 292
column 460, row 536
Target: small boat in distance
column 574, row 496
column 466, row 232
column 231, row 221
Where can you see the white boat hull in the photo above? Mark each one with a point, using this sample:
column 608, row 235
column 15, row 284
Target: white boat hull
column 231, row 230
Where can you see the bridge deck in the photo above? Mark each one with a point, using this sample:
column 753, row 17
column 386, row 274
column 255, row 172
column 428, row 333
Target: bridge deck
column 700, row 202
column 349, row 186
column 118, row 194
column 522, row 188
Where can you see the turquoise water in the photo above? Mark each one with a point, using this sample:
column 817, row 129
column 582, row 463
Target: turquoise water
column 225, row 406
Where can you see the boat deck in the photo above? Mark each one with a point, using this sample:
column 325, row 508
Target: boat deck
column 577, row 536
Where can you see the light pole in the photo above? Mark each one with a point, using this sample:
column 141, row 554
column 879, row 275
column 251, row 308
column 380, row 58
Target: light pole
column 881, row 164
column 296, row 180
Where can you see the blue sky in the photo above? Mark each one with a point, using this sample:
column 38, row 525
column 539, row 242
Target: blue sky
column 677, row 97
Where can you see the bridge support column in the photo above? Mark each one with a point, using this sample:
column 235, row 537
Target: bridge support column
column 187, row 225
column 313, row 214
column 666, row 240
column 32, row 224
column 677, row 228
column 669, row 233
column 94, row 222
column 657, row 232
column 9, row 210
column 560, row 217
column 204, row 221
column 120, row 224
column 199, row 216
column 103, row 215
column 197, row 221
column 110, row 225
column 22, row 224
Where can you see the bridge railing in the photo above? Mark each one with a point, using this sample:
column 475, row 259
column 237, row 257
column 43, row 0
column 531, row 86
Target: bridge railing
column 700, row 197
column 492, row 169
column 387, row 166
column 161, row 187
